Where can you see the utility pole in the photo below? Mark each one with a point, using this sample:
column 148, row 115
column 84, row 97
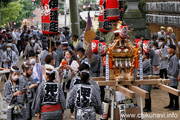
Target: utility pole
column 74, row 14
column 65, row 12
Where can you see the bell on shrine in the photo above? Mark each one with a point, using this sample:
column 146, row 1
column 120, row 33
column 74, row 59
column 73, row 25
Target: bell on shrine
column 112, row 10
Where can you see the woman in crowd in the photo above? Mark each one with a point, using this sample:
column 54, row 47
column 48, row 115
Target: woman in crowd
column 14, row 94
column 50, row 100
column 85, row 98
column 68, row 71
column 31, row 88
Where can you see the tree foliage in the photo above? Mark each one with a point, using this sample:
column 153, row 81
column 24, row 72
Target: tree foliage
column 10, row 12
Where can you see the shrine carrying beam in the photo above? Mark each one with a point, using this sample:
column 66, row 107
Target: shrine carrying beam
column 145, row 77
column 125, row 91
column 136, row 82
column 169, row 89
column 150, row 81
column 144, row 94
column 106, row 83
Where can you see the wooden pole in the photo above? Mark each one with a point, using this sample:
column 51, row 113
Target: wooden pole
column 144, row 94
column 50, row 39
column 169, row 89
column 101, row 82
column 128, row 93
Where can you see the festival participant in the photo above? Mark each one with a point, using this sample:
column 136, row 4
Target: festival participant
column 19, row 42
column 14, row 94
column 68, row 71
column 9, row 41
column 155, row 47
column 46, row 52
column 32, row 47
column 49, row 60
column 64, row 47
column 173, row 72
column 50, row 100
column 85, row 98
column 168, row 39
column 77, row 80
column 82, row 56
column 31, row 88
column 164, row 58
column 162, row 33
column 9, row 58
column 37, row 68
column 75, row 41
column 172, row 35
column 147, row 71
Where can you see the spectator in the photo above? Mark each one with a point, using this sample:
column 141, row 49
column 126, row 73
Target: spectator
column 68, row 71
column 172, row 35
column 164, row 58
column 168, row 39
column 162, row 33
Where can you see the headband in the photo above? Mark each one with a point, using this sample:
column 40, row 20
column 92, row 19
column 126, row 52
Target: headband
column 12, row 69
column 84, row 71
column 50, row 72
column 27, row 66
column 85, row 63
column 64, row 43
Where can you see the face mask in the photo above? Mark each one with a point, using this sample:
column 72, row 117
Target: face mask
column 78, row 56
column 33, row 61
column 68, row 60
column 160, row 44
column 8, row 49
column 32, row 41
column 162, row 30
column 15, row 77
column 168, row 36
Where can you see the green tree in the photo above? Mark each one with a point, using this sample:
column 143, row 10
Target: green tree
column 10, row 12
column 142, row 7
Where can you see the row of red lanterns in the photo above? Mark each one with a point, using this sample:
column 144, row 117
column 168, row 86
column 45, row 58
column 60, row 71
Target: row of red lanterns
column 110, row 11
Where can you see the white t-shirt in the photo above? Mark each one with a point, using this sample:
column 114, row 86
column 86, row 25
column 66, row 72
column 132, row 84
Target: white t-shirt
column 161, row 35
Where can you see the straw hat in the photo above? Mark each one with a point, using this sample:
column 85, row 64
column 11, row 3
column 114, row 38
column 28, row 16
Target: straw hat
column 162, row 27
column 169, row 29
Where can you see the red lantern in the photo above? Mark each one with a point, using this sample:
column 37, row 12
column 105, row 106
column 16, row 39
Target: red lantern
column 49, row 17
column 101, row 17
column 123, row 31
column 102, row 47
column 112, row 10
column 145, row 45
column 94, row 45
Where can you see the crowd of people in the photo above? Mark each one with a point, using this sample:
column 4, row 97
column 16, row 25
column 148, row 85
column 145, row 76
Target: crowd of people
column 60, row 78
column 50, row 80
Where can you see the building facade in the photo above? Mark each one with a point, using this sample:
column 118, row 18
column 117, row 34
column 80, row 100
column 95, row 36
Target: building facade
column 164, row 13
